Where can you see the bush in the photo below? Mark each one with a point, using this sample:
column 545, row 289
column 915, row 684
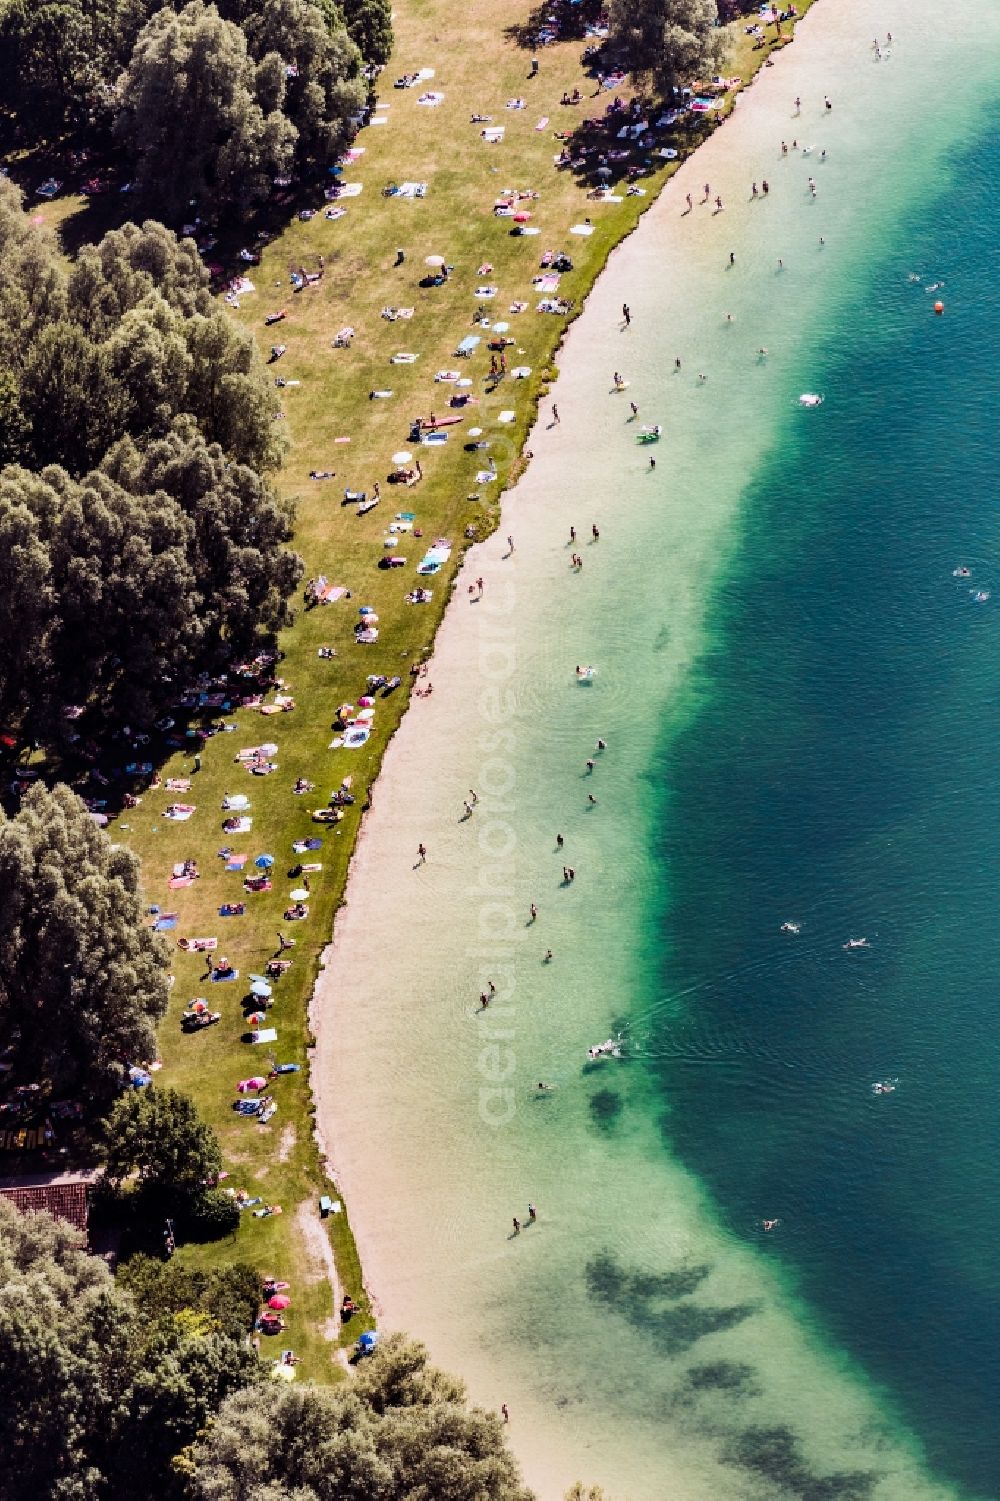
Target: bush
column 209, row 1216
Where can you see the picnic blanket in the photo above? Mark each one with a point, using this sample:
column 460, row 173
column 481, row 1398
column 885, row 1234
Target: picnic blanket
column 235, row 862
column 164, row 923
column 325, row 592
column 434, row 558
column 177, row 883
column 198, row 945
column 237, row 825
column 180, row 812
column 218, row 978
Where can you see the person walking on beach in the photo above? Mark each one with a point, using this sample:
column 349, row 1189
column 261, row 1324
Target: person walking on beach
column 503, row 1405
column 690, row 205
column 534, row 913
column 765, row 187
column 635, row 409
column 468, row 808
column 708, row 193
column 510, row 545
column 517, row 1225
column 732, row 257
column 421, row 854
column 719, row 205
column 532, row 1214
column 473, row 796
column 572, row 534
column 626, row 314
column 555, row 415
column 560, row 841
column 595, row 534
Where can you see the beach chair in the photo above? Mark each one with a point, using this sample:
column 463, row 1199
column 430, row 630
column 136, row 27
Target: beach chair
column 325, row 1205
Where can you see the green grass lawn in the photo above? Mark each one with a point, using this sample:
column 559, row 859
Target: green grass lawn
column 478, row 69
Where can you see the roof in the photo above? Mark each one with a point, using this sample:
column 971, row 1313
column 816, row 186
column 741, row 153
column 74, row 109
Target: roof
column 67, row 1201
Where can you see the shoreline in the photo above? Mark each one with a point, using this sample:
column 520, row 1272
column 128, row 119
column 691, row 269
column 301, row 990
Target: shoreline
column 408, row 728
column 518, row 469
column 343, row 961
column 352, row 992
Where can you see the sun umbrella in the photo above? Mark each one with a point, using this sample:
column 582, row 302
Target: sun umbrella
column 197, row 1007
column 264, row 862
column 475, row 432
column 604, row 172
column 261, row 989
column 434, row 260
column 522, row 217
column 246, row 1085
column 278, row 1301
column 299, row 894
column 257, row 1018
column 402, row 457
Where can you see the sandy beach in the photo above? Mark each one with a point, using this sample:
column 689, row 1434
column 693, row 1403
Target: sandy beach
column 429, row 1110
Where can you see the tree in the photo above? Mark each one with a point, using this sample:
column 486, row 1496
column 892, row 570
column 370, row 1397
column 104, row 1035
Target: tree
column 158, row 1134
column 83, row 982
column 242, row 570
column 27, row 609
column 369, row 23
column 669, row 41
column 323, row 87
column 403, row 1431
column 228, row 391
column 65, row 1359
column 61, row 58
column 128, row 266
column 32, row 280
column 230, row 1294
column 100, row 1392
column 75, row 406
column 189, row 118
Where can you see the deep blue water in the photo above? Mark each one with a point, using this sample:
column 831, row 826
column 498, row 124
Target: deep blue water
column 843, row 771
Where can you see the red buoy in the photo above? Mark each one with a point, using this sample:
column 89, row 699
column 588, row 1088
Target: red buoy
column 939, row 307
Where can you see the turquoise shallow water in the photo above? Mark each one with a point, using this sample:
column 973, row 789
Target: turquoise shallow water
column 797, row 696
column 840, row 771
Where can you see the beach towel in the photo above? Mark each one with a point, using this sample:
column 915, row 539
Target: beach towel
column 547, row 283
column 237, row 825
column 235, row 802
column 220, row 979
column 165, row 923
column 542, row 123
column 447, row 377
column 268, row 1034
column 198, row 945
column 180, row 812
column 301, row 846
column 411, row 190
column 582, row 229
column 178, row 784
column 486, row 291
column 236, row 862
column 520, row 372
column 177, row 883
column 349, row 189
column 493, row 134
column 432, row 99
column 518, row 307
column 403, row 359
column 507, row 416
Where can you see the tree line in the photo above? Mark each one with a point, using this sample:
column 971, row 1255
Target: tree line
column 147, row 1385
column 139, row 539
column 208, row 103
